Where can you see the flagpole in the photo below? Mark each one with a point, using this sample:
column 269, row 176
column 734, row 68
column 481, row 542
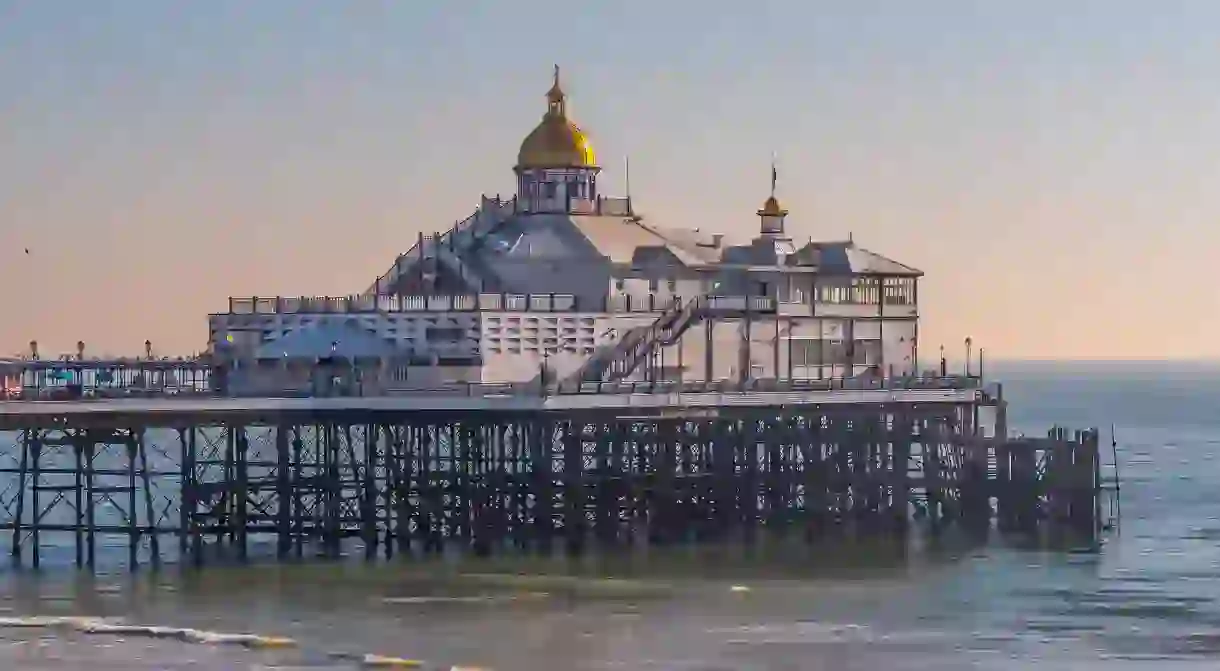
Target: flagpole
column 774, row 174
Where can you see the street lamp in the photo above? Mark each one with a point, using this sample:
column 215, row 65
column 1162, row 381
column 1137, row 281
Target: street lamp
column 969, row 345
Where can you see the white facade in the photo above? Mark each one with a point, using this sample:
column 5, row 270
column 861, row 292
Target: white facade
column 538, row 286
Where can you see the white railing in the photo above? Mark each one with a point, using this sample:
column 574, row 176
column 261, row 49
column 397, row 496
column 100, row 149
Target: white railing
column 493, row 302
column 365, row 303
column 614, row 206
column 741, row 303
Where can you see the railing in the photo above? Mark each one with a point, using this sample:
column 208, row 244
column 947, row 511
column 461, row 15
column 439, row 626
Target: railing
column 457, row 237
column 595, row 367
column 952, row 383
column 614, row 206
column 493, row 302
column 488, row 389
column 603, row 361
column 366, row 303
column 639, row 343
column 756, row 304
column 666, row 327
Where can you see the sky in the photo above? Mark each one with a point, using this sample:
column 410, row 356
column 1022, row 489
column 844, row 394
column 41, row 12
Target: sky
column 1051, row 165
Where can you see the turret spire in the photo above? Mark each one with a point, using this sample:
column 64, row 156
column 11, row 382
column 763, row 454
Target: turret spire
column 772, row 214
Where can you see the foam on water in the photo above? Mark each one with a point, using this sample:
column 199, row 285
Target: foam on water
column 115, row 627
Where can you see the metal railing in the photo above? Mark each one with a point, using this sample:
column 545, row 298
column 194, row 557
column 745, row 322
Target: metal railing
column 490, row 302
column 673, row 321
column 490, row 389
column 458, row 237
column 639, row 343
column 487, row 301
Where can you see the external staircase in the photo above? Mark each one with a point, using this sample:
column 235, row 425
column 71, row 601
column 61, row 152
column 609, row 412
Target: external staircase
column 450, row 249
column 617, row 361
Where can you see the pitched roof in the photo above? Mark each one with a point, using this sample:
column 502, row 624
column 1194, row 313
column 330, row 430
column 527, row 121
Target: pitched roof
column 846, row 258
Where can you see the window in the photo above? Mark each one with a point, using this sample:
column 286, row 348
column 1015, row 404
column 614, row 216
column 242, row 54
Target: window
column 899, row 291
column 445, row 334
column 805, row 352
column 673, row 285
column 652, row 285
column 618, row 285
column 845, row 293
column 811, row 352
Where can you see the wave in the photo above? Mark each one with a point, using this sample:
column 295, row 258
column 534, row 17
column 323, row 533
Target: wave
column 116, row 627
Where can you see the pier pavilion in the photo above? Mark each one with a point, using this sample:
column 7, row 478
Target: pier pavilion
column 564, row 283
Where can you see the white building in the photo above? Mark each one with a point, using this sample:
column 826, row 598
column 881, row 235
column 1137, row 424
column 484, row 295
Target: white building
column 566, row 280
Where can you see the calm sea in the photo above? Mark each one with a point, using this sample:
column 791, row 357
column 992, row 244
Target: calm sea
column 1150, row 599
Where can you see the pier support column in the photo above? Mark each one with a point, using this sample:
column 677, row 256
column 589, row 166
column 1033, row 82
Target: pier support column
column 574, row 495
column 901, row 438
column 975, row 496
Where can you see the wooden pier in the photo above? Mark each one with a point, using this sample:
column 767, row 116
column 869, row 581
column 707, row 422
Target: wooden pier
column 186, row 480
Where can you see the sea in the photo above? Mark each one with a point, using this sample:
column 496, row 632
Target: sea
column 1147, row 598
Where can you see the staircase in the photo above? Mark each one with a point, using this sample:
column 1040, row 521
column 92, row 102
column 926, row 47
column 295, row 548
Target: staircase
column 595, row 367
column 619, row 360
column 448, row 249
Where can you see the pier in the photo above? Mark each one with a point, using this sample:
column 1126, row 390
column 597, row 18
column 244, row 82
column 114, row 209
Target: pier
column 554, row 372
column 192, row 478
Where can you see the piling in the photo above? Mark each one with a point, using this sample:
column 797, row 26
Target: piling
column 194, row 486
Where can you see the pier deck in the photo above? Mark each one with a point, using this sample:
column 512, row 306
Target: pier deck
column 185, row 478
column 171, row 409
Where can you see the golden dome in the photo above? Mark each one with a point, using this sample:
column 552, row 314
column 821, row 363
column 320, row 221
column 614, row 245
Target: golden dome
column 772, row 208
column 556, row 142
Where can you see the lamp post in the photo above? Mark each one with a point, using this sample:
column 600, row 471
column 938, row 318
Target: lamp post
column 542, row 372
column 969, row 345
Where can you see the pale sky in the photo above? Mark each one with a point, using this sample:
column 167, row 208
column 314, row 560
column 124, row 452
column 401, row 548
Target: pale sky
column 1050, row 164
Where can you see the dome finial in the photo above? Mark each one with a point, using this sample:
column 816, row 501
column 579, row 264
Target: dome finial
column 555, row 97
column 556, row 142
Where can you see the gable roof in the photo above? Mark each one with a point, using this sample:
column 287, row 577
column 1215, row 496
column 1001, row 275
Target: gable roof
column 846, row 258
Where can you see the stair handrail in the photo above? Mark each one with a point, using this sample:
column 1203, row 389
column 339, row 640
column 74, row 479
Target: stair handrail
column 428, row 242
column 664, row 331
column 670, row 328
column 603, row 361
column 628, row 356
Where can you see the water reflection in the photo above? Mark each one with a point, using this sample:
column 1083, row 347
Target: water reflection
column 1149, row 599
